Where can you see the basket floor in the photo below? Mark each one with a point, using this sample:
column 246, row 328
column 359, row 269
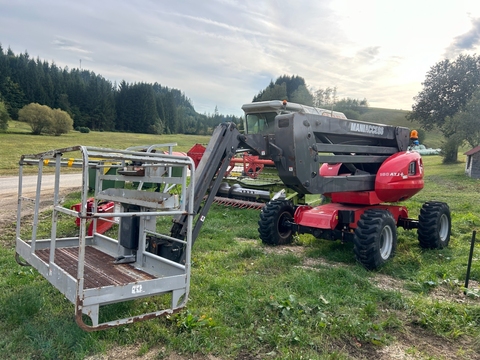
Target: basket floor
column 100, row 269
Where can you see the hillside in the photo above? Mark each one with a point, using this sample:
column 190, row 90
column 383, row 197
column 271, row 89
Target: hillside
column 398, row 118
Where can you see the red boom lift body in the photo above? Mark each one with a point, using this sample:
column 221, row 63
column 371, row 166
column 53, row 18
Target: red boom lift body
column 362, row 168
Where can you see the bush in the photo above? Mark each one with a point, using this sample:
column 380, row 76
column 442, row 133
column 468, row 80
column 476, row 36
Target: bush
column 62, row 123
column 39, row 117
column 83, row 129
column 44, row 120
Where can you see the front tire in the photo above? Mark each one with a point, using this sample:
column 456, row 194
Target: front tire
column 375, row 238
column 272, row 226
column 434, row 225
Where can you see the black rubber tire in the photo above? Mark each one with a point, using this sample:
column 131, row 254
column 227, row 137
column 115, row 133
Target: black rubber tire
column 271, row 224
column 434, row 225
column 375, row 238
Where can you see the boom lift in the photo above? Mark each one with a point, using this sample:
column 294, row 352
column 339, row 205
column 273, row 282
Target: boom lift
column 363, row 168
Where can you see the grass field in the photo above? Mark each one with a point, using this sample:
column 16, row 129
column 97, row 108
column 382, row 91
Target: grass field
column 18, row 141
column 310, row 300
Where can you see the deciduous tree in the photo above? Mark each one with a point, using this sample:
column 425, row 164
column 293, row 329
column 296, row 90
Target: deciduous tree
column 62, row 123
column 447, row 88
column 325, row 98
column 39, row 117
column 465, row 124
column 352, row 108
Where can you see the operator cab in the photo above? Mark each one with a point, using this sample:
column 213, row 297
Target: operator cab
column 260, row 116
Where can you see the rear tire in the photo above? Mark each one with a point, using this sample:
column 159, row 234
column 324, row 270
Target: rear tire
column 375, row 238
column 434, row 225
column 272, row 227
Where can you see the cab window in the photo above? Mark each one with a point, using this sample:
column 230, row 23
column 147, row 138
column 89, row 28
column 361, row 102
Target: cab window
column 262, row 123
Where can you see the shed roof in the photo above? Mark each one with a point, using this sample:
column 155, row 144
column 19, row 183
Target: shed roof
column 473, row 151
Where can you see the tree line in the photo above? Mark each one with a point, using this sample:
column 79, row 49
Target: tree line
column 294, row 89
column 94, row 102
column 449, row 100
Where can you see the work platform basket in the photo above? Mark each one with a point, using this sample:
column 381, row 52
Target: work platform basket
column 132, row 260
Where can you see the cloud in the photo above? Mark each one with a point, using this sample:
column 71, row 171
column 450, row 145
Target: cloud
column 368, row 54
column 466, row 41
column 70, row 45
column 223, row 52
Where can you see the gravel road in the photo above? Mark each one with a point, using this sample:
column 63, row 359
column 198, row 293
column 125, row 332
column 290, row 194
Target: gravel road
column 9, row 191
column 9, row 184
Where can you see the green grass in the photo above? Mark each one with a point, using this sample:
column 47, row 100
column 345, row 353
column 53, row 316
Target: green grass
column 18, row 141
column 310, row 300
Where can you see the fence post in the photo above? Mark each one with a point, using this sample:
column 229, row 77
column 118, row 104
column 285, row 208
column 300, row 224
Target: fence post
column 470, row 260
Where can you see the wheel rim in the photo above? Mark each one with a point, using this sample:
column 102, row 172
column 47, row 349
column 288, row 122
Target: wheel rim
column 443, row 227
column 386, row 242
column 283, row 230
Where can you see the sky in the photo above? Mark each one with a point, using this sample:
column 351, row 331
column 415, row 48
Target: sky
column 221, row 53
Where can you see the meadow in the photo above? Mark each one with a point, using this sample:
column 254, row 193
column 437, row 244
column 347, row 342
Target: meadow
column 17, row 141
column 308, row 300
